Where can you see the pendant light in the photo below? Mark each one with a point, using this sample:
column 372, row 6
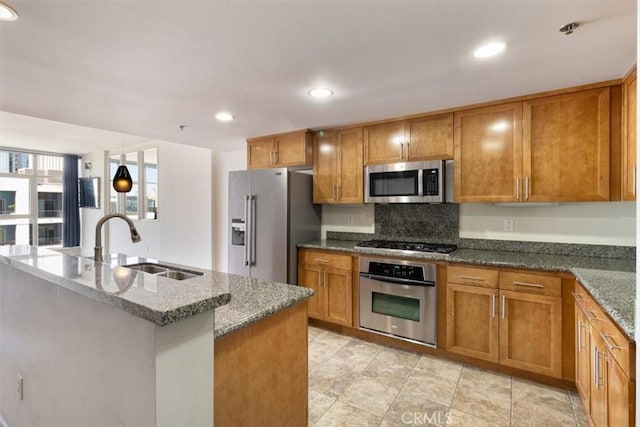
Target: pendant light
column 122, row 181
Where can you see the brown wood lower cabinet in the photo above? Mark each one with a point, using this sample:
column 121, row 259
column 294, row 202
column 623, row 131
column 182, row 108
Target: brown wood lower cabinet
column 260, row 372
column 605, row 367
column 531, row 332
column 329, row 275
column 472, row 321
column 488, row 320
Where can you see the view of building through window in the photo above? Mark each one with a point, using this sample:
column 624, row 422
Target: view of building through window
column 142, row 201
column 30, row 198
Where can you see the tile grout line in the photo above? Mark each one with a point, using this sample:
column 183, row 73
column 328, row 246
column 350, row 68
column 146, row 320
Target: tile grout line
column 453, row 398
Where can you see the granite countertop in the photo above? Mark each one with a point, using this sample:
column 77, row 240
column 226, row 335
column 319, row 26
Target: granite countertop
column 158, row 299
column 611, row 281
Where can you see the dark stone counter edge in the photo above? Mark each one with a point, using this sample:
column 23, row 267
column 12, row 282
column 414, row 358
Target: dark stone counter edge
column 161, row 318
column 627, row 327
column 224, row 330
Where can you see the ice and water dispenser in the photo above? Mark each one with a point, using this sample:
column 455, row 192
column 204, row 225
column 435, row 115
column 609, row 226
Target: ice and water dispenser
column 237, row 231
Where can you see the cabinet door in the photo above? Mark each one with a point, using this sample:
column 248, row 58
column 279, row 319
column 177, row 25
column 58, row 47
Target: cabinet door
column 350, row 183
column 325, row 155
column 337, row 296
column 260, row 153
column 430, row 138
column 472, row 321
column 293, row 149
column 310, row 276
column 384, row 143
column 618, row 403
column 488, row 153
column 629, row 141
column 598, row 389
column 583, row 361
column 566, row 147
column 531, row 332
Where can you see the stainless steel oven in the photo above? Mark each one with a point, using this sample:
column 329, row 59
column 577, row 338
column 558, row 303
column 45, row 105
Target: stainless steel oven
column 399, row 298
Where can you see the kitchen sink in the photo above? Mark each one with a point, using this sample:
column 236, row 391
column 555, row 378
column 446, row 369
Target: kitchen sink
column 164, row 270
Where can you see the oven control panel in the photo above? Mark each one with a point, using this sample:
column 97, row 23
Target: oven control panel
column 399, row 271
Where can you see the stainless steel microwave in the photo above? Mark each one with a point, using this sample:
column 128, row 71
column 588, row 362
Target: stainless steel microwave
column 412, row 182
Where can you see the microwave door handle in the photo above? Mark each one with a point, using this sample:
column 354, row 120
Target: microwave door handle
column 420, row 186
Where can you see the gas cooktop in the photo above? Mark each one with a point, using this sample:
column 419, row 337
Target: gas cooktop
column 408, row 247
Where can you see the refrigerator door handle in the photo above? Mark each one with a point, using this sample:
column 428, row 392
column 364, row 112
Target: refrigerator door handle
column 252, row 226
column 247, row 229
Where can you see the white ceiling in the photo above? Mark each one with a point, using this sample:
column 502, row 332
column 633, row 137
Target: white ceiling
column 145, row 67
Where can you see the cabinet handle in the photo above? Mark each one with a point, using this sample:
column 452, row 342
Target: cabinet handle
column 579, row 336
column 504, row 306
column 518, row 188
column 272, row 158
column 610, row 346
column 596, row 374
column 526, row 188
column 577, row 297
column 493, row 306
column 529, row 285
column 592, row 317
column 321, row 260
column 407, row 151
column 402, row 150
column 479, row 279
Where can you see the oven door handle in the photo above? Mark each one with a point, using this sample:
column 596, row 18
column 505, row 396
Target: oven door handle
column 396, row 280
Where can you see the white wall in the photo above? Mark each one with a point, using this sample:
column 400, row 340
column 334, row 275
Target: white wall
column 89, row 217
column 605, row 223
column 223, row 163
column 347, row 218
column 182, row 234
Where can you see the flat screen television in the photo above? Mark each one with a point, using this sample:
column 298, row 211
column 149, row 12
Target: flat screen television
column 89, row 192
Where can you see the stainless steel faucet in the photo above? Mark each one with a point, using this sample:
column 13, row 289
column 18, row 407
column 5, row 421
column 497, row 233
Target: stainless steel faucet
column 97, row 250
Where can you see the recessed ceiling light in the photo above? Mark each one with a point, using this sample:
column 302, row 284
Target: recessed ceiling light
column 320, row 92
column 489, row 49
column 223, row 116
column 7, row 13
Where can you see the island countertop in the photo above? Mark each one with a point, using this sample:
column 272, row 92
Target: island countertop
column 155, row 298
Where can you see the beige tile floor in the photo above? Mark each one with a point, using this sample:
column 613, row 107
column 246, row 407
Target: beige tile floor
column 357, row 383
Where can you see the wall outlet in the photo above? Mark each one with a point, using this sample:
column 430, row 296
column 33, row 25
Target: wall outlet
column 20, row 388
column 508, row 225
column 350, row 220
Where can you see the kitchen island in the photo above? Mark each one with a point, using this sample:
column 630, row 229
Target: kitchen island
column 108, row 345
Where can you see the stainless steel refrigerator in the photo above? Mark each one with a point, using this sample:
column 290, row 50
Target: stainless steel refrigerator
column 270, row 212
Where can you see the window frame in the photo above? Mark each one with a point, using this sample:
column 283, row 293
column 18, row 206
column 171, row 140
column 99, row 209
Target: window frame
column 139, row 180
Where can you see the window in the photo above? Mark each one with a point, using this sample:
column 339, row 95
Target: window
column 142, row 201
column 30, row 198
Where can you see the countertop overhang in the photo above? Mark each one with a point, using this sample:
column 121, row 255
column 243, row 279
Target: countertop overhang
column 157, row 299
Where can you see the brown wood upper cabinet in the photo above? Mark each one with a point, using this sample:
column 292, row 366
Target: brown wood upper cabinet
column 629, row 137
column 337, row 167
column 423, row 138
column 279, row 151
column 553, row 148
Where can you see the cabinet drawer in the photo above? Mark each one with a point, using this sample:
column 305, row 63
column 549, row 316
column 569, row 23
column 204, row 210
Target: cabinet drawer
column 472, row 276
column 531, row 283
column 326, row 258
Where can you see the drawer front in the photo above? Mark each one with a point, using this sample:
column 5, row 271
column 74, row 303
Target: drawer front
column 472, row 276
column 531, row 283
column 326, row 258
